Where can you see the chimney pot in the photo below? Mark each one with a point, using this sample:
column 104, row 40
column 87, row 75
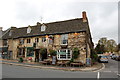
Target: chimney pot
column 84, row 16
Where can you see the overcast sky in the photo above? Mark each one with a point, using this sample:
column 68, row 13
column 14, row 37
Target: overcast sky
column 102, row 15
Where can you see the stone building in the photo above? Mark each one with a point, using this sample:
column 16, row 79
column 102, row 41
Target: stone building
column 62, row 36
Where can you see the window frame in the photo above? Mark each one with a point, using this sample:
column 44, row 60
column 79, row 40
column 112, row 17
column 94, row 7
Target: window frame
column 21, row 41
column 44, row 39
column 66, row 55
column 43, row 27
column 29, row 30
column 63, row 39
column 36, row 40
column 5, row 42
column 28, row 41
column 51, row 39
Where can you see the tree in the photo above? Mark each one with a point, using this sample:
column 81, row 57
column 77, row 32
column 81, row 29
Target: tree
column 93, row 55
column 111, row 45
column 103, row 43
column 100, row 49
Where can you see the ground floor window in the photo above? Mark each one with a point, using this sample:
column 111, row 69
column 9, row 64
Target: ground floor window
column 21, row 52
column 30, row 51
column 64, row 54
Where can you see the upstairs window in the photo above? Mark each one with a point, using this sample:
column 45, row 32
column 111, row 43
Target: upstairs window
column 29, row 29
column 36, row 40
column 5, row 42
column 28, row 40
column 43, row 39
column 21, row 41
column 51, row 39
column 43, row 27
column 64, row 39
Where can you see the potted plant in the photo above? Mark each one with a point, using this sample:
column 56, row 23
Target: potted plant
column 21, row 59
column 53, row 52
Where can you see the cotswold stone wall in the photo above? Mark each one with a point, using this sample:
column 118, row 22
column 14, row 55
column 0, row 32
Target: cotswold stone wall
column 10, row 43
column 78, row 40
column 15, row 50
column 57, row 41
column 75, row 40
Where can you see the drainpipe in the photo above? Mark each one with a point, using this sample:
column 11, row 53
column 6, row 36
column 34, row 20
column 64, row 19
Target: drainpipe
column 86, row 47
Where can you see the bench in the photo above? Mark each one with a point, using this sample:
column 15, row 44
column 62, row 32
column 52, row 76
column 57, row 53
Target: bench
column 76, row 64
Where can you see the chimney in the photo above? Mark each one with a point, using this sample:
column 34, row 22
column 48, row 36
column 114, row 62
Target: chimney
column 84, row 16
column 38, row 23
column 1, row 28
column 12, row 27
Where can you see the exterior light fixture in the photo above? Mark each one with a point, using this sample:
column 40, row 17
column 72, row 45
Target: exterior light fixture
column 76, row 33
column 46, row 36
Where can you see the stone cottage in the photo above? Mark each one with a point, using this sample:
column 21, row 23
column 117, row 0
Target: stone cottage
column 62, row 36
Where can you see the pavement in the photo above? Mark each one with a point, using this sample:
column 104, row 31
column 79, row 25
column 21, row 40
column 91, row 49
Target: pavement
column 94, row 68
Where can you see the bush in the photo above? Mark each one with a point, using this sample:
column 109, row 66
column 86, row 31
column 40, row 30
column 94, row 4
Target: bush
column 75, row 53
column 20, row 59
column 72, row 60
column 43, row 51
column 53, row 52
column 94, row 55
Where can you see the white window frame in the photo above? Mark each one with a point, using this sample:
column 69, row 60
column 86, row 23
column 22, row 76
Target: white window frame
column 43, row 27
column 64, row 36
column 29, row 30
column 58, row 55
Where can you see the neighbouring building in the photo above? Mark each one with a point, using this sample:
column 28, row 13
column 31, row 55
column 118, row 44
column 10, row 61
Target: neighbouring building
column 62, row 36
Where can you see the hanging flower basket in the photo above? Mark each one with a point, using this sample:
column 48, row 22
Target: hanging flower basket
column 30, row 59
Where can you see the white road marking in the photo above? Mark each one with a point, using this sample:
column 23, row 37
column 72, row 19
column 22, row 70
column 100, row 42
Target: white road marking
column 101, row 68
column 98, row 75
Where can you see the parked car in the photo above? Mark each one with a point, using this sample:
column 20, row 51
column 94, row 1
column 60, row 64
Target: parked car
column 102, row 58
column 114, row 57
column 111, row 55
column 117, row 58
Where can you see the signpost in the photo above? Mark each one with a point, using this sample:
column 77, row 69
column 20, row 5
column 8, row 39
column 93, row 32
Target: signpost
column 54, row 60
column 88, row 61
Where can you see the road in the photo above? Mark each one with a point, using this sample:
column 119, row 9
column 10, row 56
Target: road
column 12, row 71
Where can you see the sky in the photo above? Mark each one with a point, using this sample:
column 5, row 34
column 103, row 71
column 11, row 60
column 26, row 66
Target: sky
column 102, row 15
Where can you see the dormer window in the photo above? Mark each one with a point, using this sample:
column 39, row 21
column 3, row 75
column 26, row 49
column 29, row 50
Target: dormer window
column 43, row 27
column 29, row 29
column 10, row 33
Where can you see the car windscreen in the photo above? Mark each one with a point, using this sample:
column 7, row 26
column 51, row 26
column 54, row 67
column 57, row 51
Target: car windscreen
column 103, row 56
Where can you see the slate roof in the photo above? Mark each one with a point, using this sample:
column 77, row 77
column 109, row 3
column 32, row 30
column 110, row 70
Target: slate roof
column 73, row 25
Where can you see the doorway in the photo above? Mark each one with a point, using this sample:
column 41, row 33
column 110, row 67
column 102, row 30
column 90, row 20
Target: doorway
column 37, row 55
column 43, row 54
